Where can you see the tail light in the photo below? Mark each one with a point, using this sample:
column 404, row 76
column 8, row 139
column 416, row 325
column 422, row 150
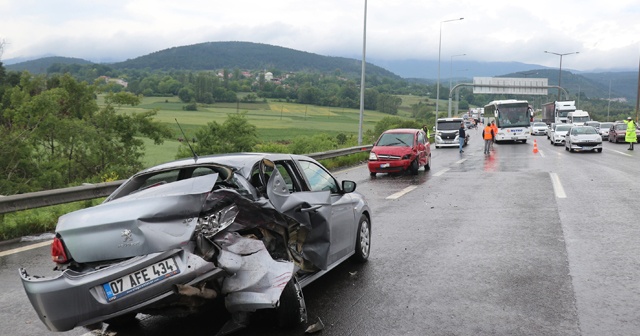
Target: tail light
column 58, row 254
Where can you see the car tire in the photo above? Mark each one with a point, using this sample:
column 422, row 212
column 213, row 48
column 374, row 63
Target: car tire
column 524, row 141
column 372, row 173
column 599, row 150
column 363, row 240
column 291, row 310
column 428, row 165
column 413, row 168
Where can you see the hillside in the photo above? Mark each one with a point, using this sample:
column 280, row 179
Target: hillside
column 40, row 65
column 247, row 55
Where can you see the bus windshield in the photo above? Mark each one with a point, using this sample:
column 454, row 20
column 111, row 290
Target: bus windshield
column 513, row 115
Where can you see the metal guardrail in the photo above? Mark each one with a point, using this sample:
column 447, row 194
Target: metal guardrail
column 86, row 192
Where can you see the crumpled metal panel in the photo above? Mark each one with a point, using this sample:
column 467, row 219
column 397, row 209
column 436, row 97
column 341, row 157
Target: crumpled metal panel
column 318, row 239
column 153, row 220
column 259, row 281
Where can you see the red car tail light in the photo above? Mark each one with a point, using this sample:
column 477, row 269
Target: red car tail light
column 58, row 254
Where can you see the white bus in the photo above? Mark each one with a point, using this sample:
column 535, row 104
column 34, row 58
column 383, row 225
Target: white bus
column 513, row 118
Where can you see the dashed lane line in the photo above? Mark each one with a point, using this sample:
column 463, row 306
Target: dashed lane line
column 401, row 192
column 24, row 248
column 619, row 152
column 441, row 172
column 557, row 186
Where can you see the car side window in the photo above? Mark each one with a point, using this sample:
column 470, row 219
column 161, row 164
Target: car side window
column 421, row 138
column 318, row 178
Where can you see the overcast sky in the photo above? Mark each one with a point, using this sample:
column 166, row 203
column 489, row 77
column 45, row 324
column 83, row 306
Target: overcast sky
column 606, row 33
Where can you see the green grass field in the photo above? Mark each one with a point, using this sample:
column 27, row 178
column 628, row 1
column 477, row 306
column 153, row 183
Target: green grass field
column 275, row 120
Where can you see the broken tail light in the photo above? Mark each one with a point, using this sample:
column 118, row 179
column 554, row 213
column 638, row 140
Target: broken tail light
column 58, row 255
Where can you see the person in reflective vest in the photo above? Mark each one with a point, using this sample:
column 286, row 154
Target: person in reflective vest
column 495, row 132
column 630, row 135
column 487, row 135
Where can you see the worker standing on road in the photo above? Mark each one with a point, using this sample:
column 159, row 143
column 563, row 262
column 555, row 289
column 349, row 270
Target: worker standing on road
column 426, row 131
column 630, row 135
column 487, row 135
column 495, row 132
column 462, row 135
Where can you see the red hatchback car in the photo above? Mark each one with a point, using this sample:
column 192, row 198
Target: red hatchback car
column 399, row 150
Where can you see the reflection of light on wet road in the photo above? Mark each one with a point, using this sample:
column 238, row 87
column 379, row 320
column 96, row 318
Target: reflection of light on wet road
column 490, row 162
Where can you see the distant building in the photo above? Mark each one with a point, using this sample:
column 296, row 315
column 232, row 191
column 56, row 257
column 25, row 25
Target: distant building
column 118, row 81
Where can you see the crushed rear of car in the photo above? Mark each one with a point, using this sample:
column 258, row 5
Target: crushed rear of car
column 240, row 228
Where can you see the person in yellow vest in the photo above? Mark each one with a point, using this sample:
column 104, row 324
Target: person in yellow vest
column 630, row 135
column 487, row 135
column 426, row 131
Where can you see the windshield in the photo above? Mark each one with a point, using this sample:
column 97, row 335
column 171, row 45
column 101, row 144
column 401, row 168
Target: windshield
column 580, row 119
column 583, row 130
column 539, row 124
column 448, row 125
column 621, row 126
column 513, row 115
column 605, row 125
column 564, row 113
column 563, row 128
column 396, row 139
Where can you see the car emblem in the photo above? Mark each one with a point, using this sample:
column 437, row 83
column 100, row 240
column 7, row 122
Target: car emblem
column 126, row 234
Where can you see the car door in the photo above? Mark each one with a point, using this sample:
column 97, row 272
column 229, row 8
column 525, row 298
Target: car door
column 342, row 224
column 306, row 192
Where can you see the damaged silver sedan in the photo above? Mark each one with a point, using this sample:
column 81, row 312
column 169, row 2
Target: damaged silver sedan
column 249, row 229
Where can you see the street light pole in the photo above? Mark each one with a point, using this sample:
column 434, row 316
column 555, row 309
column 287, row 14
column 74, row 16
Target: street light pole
column 439, row 53
column 560, row 72
column 362, row 81
column 451, row 75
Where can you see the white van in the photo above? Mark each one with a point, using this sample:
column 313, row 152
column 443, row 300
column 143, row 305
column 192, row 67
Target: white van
column 578, row 117
column 446, row 130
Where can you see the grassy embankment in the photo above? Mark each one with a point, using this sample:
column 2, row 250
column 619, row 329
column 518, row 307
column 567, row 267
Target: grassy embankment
column 276, row 121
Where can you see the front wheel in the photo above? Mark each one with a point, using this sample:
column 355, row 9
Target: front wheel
column 363, row 240
column 413, row 168
column 292, row 310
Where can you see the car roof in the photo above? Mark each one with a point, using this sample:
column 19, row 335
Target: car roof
column 241, row 162
column 401, row 130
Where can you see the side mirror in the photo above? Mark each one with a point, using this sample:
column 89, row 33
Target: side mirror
column 348, row 186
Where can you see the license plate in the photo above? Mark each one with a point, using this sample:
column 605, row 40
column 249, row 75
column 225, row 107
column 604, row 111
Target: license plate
column 587, row 147
column 385, row 165
column 142, row 278
column 514, row 138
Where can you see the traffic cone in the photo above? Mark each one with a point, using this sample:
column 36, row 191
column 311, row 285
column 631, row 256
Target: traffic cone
column 535, row 146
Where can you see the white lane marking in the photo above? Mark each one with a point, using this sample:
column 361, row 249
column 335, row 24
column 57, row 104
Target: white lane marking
column 613, row 150
column 441, row 172
column 401, row 192
column 24, row 248
column 541, row 153
column 557, row 186
column 461, row 161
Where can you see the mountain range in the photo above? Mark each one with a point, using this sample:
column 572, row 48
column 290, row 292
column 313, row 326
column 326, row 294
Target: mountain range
column 252, row 56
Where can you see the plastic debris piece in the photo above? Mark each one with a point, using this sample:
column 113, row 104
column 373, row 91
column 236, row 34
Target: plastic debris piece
column 318, row 326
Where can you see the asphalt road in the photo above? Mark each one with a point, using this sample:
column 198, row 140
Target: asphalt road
column 514, row 243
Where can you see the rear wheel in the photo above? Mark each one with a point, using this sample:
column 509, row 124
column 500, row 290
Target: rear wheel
column 363, row 240
column 372, row 173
